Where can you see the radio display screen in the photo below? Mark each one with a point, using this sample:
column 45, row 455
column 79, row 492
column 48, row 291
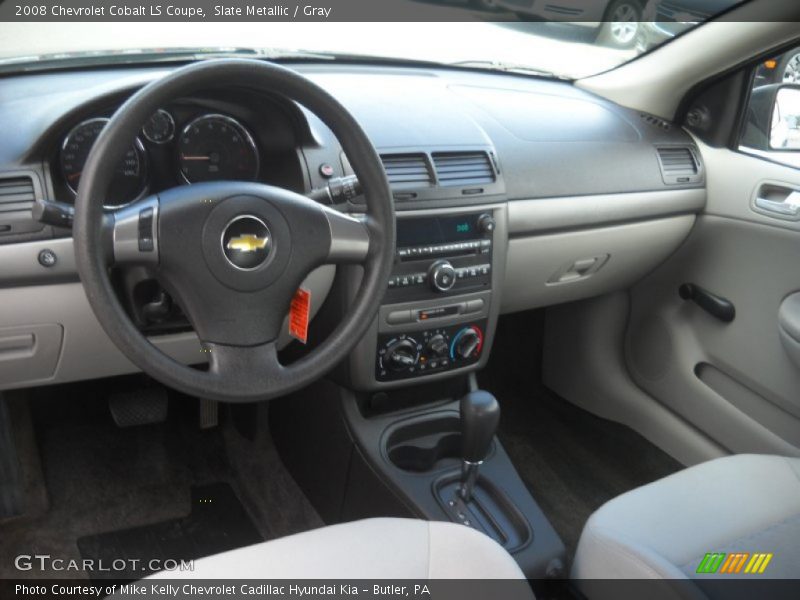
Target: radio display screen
column 437, row 230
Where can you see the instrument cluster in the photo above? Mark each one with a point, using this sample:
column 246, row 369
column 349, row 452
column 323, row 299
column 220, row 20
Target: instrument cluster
column 175, row 146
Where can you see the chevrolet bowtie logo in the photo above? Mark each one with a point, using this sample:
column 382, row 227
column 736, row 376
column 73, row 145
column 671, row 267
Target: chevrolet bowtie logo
column 247, row 243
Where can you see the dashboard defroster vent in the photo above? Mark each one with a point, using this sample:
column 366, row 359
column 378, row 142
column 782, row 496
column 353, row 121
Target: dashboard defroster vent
column 656, row 121
column 463, row 168
column 679, row 165
column 407, row 170
column 16, row 194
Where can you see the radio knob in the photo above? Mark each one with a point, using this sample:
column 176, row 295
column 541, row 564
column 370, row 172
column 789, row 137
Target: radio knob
column 486, row 223
column 442, row 276
column 467, row 342
column 437, row 346
column 401, row 355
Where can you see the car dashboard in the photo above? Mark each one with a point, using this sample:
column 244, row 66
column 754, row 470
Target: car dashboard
column 512, row 193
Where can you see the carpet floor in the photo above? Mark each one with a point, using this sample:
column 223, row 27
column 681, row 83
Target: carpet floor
column 102, row 479
column 571, row 461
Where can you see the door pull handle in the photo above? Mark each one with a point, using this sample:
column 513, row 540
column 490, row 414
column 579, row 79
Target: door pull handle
column 717, row 306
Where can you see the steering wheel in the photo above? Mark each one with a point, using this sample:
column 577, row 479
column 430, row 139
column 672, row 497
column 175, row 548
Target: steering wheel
column 233, row 254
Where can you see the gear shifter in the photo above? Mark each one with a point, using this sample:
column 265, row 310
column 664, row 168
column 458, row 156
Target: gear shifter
column 480, row 415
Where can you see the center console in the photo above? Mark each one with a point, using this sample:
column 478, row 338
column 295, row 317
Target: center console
column 441, row 304
column 418, row 444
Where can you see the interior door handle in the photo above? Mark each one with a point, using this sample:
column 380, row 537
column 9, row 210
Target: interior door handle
column 778, row 201
column 787, row 208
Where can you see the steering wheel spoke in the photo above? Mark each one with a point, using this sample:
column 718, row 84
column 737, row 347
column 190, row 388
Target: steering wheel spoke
column 134, row 233
column 242, row 363
column 349, row 238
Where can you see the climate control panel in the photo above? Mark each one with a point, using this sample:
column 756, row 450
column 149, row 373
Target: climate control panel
column 413, row 354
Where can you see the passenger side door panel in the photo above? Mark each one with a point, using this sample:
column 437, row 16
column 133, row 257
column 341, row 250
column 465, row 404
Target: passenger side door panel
column 737, row 382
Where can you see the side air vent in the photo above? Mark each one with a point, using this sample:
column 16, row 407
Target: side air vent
column 463, row 168
column 407, row 170
column 656, row 121
column 679, row 165
column 16, row 194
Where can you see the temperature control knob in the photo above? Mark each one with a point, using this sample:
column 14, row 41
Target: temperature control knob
column 442, row 276
column 437, row 346
column 401, row 355
column 466, row 342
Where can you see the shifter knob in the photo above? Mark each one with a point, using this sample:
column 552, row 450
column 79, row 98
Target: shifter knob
column 480, row 415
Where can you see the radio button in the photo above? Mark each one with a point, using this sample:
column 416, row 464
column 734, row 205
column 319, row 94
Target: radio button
column 397, row 317
column 474, row 306
column 442, row 276
column 486, row 223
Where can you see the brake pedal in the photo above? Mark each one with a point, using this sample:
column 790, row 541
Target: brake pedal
column 143, row 406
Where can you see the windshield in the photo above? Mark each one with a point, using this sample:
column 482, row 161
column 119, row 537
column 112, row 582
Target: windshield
column 553, row 47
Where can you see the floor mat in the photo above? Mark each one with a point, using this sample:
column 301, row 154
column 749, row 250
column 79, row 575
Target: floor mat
column 101, row 478
column 571, row 460
column 218, row 522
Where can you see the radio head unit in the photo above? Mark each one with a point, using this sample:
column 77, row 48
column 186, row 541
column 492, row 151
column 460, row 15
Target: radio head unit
column 442, row 255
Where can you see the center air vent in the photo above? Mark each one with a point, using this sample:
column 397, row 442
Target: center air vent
column 463, row 168
column 408, row 170
column 679, row 165
column 16, row 194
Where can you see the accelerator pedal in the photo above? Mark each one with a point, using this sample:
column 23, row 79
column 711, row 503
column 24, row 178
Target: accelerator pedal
column 142, row 406
column 209, row 413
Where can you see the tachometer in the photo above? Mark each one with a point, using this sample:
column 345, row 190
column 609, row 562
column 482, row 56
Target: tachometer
column 215, row 147
column 130, row 178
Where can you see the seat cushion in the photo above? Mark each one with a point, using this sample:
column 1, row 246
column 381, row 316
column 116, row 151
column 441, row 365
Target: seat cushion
column 368, row 549
column 737, row 504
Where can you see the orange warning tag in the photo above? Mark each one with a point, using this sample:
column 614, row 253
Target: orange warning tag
column 298, row 315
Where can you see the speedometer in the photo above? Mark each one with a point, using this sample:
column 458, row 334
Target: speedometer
column 215, row 147
column 129, row 180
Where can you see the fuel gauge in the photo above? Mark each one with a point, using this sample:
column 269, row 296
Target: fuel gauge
column 160, row 128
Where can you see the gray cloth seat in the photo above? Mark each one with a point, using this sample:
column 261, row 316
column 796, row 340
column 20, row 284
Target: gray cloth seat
column 738, row 504
column 369, row 549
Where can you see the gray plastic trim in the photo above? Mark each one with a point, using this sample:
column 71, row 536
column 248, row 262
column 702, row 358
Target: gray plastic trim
column 349, row 237
column 21, row 263
column 623, row 254
column 789, row 316
column 533, row 216
column 29, row 352
column 584, row 363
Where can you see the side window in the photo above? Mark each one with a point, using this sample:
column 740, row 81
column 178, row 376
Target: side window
column 771, row 127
